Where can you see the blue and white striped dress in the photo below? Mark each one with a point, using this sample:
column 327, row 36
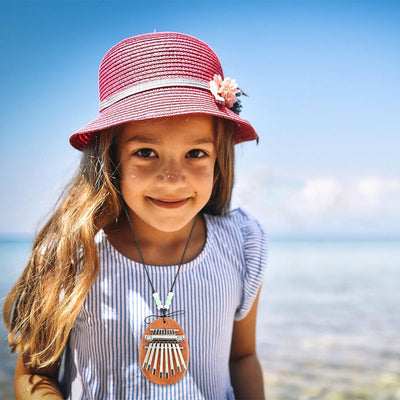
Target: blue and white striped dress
column 215, row 289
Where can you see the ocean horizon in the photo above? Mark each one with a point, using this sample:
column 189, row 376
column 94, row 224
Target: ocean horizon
column 328, row 323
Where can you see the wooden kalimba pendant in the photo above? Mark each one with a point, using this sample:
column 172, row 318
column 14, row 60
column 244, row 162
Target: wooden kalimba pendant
column 164, row 352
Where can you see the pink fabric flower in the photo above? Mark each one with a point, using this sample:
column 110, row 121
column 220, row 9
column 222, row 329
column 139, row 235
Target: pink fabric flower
column 224, row 91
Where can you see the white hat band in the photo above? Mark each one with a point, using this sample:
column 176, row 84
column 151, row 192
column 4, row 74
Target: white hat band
column 142, row 87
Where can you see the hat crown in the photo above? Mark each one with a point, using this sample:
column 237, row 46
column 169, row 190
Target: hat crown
column 156, row 56
column 158, row 75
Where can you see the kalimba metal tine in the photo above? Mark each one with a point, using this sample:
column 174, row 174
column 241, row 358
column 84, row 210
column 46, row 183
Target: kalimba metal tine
column 178, row 365
column 150, row 357
column 171, row 360
column 166, row 361
column 156, row 358
column 161, row 360
column 181, row 357
column 147, row 355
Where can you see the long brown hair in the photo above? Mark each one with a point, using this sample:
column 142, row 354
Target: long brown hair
column 43, row 305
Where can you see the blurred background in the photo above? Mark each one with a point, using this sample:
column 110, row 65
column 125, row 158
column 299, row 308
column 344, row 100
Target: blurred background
column 324, row 96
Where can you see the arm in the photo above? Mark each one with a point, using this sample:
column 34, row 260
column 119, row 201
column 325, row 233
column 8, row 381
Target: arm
column 41, row 384
column 245, row 369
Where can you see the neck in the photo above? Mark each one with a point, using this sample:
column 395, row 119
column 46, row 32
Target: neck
column 150, row 236
column 169, row 244
column 157, row 247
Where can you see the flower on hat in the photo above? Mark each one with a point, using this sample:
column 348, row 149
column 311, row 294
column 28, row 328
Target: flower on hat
column 225, row 90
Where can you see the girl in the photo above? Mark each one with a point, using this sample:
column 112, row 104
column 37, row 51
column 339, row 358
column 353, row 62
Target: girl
column 143, row 282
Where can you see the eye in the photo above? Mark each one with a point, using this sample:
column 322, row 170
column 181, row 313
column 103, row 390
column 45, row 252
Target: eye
column 196, row 153
column 146, row 153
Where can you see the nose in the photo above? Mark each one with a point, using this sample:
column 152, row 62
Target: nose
column 171, row 172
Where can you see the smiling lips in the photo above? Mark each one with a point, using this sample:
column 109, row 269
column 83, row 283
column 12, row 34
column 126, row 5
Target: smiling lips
column 169, row 203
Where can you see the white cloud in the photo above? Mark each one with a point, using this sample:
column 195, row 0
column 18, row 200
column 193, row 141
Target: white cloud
column 376, row 193
column 361, row 204
column 315, row 197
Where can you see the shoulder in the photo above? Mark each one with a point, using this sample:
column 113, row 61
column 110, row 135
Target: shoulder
column 241, row 233
column 243, row 239
column 237, row 222
column 254, row 251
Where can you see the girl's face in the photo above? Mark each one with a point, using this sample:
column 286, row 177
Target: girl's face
column 167, row 169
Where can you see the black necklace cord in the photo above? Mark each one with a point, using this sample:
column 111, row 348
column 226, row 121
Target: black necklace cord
column 163, row 308
column 163, row 315
column 184, row 251
column 140, row 251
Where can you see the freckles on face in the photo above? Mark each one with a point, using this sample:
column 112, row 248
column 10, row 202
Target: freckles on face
column 167, row 167
column 131, row 172
column 132, row 175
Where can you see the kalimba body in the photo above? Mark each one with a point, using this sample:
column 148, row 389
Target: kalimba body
column 164, row 352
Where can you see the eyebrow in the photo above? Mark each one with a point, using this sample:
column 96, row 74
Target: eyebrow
column 143, row 139
column 204, row 140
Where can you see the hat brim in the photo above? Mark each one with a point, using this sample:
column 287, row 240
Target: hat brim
column 159, row 103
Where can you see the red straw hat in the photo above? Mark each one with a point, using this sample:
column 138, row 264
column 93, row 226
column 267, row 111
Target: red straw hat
column 160, row 75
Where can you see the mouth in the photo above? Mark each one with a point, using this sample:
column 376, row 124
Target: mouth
column 169, row 203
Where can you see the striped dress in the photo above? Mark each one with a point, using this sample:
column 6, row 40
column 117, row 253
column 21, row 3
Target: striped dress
column 215, row 289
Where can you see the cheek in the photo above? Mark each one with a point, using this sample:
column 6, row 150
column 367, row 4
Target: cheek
column 205, row 177
column 133, row 174
column 130, row 180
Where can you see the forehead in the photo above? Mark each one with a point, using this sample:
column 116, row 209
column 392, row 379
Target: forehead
column 187, row 128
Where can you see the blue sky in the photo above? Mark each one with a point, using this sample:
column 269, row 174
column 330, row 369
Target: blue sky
column 324, row 85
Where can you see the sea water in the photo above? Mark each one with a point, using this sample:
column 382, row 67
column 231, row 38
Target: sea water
column 328, row 323
column 13, row 257
column 329, row 320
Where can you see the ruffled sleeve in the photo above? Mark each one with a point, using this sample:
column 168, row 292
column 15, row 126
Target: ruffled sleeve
column 255, row 256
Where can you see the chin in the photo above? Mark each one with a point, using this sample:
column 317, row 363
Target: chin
column 167, row 220
column 171, row 224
